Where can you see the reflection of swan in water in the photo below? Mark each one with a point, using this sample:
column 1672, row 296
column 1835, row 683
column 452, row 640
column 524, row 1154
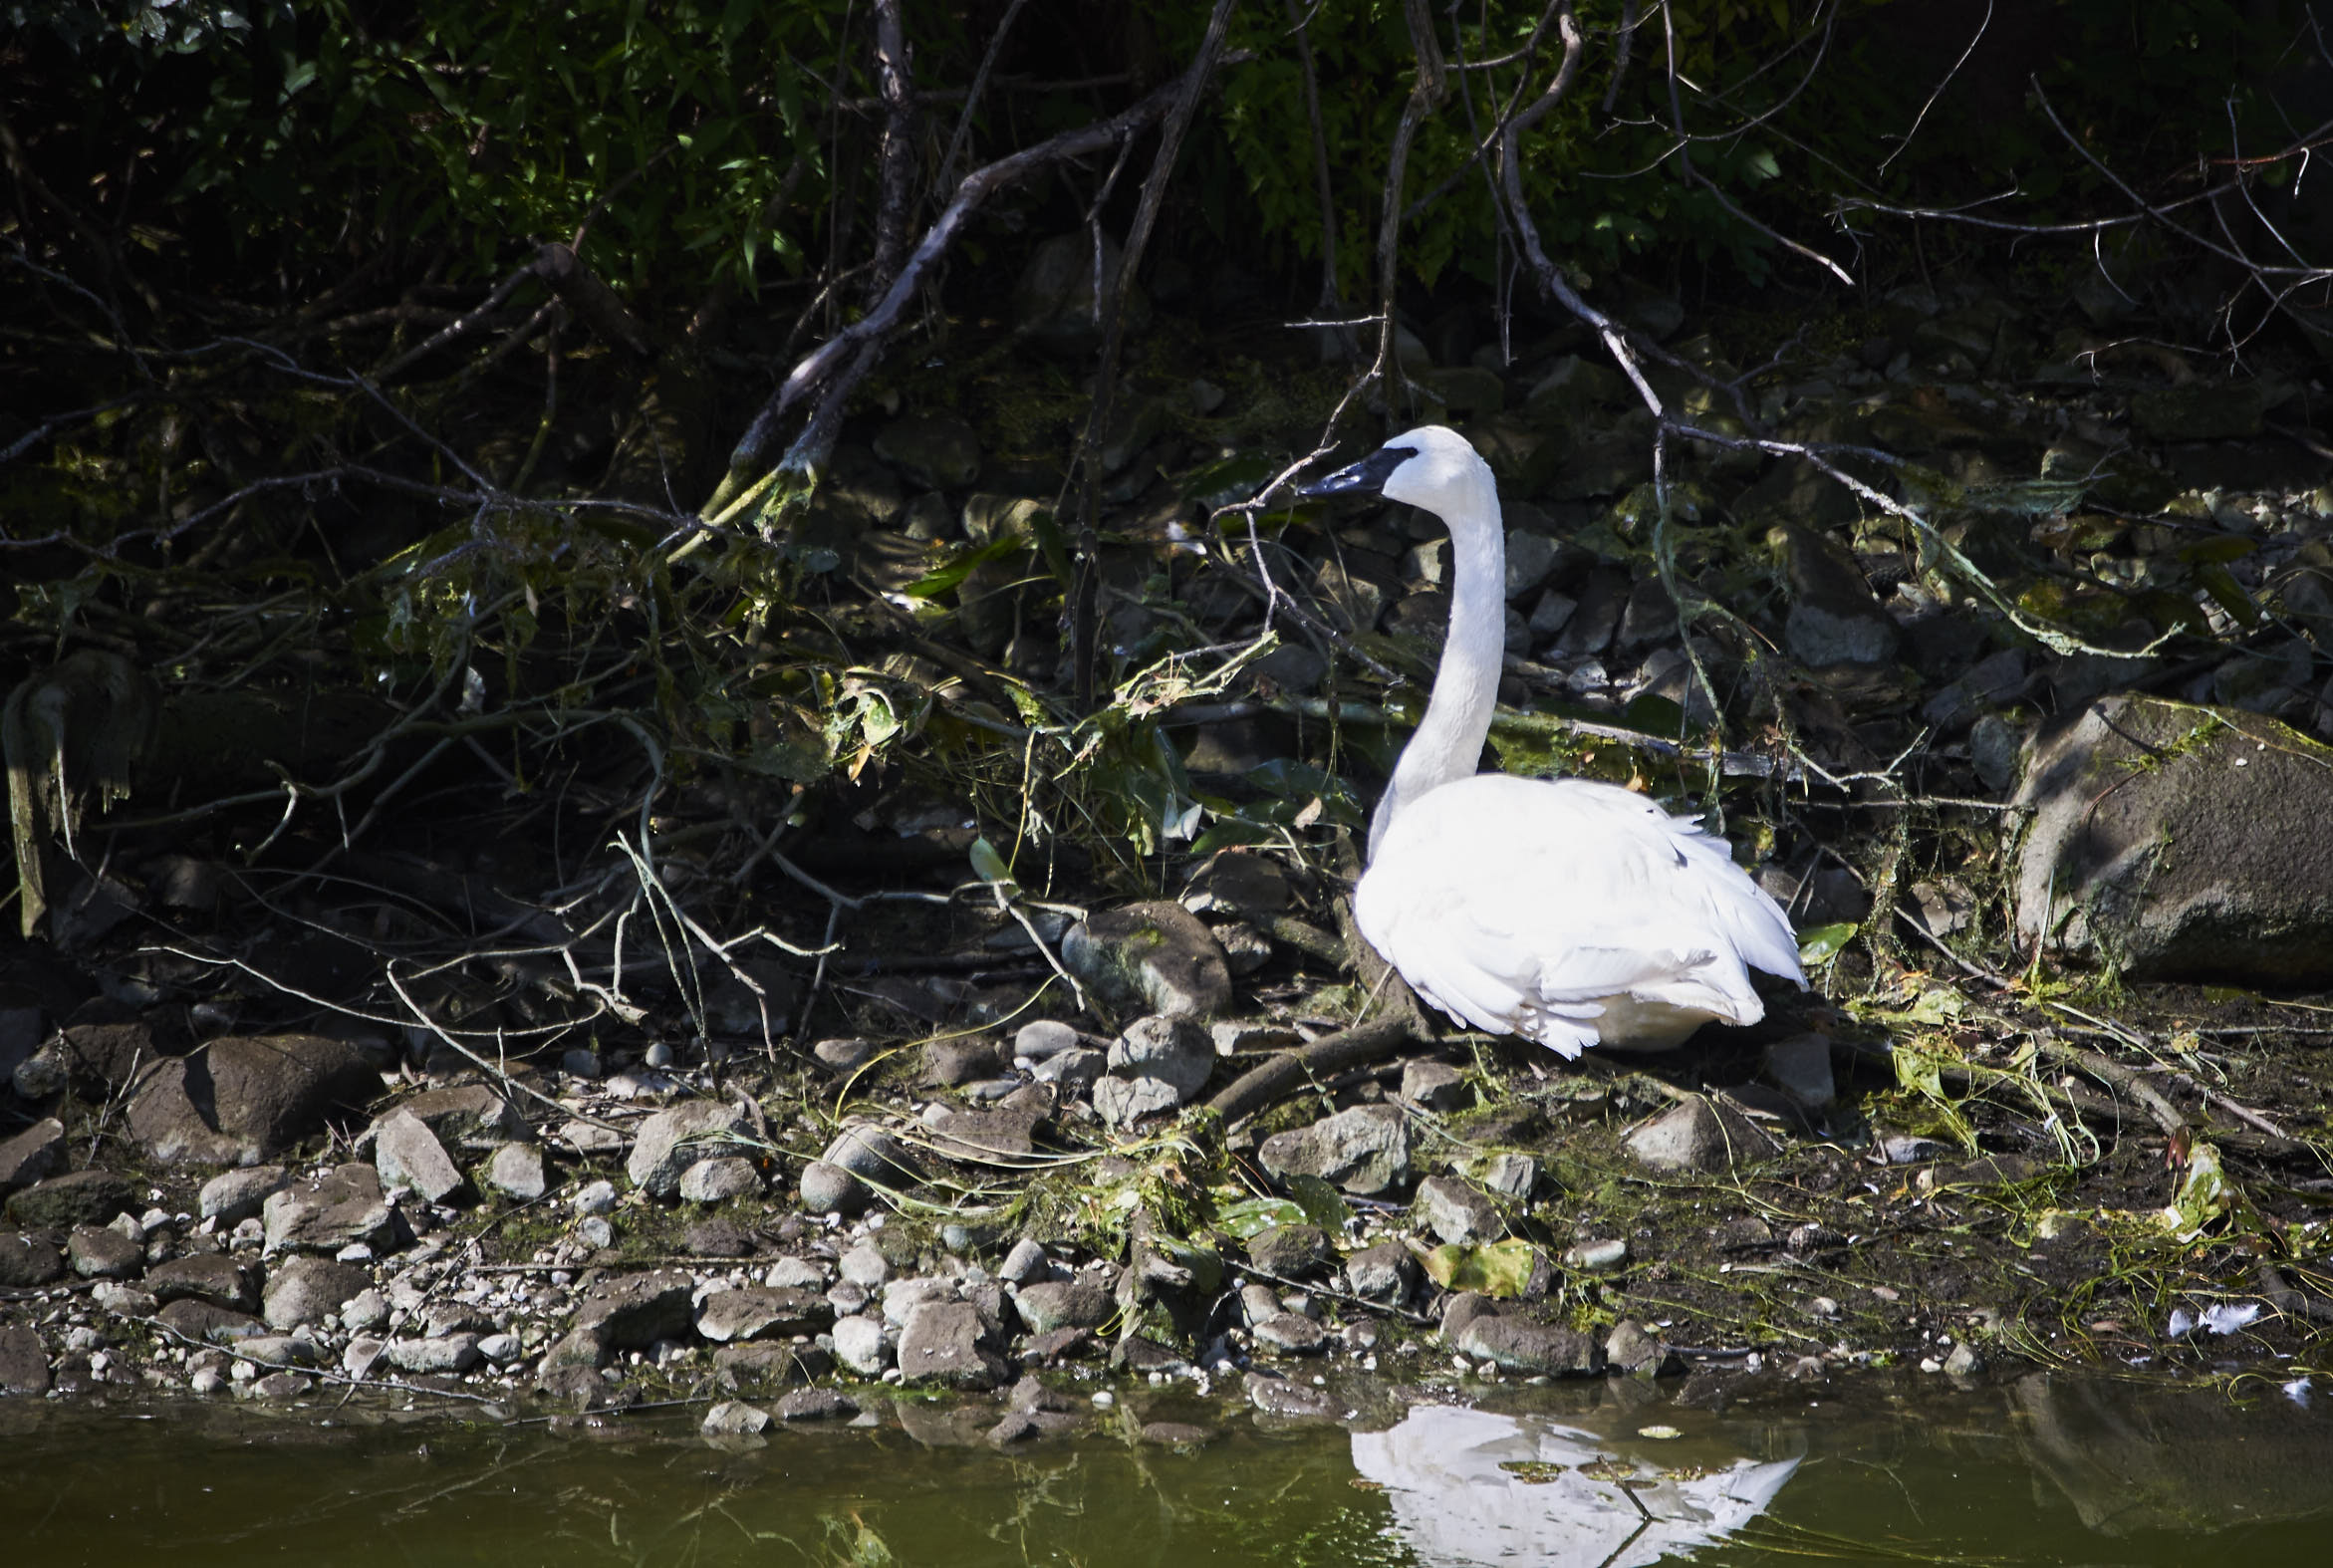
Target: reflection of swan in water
column 1472, row 1487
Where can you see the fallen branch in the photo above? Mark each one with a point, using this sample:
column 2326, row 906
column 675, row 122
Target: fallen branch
column 1260, row 1086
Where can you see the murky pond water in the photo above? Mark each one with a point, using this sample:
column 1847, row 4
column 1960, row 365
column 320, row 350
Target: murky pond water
column 2042, row 1471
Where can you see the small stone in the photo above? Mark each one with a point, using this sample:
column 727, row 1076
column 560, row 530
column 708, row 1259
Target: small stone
column 1044, row 1038
column 1290, row 1334
column 453, row 1354
column 124, row 1301
column 104, row 1254
column 952, row 1063
column 1290, row 1251
column 720, row 1180
column 501, row 1349
column 1433, row 1085
column 1699, row 1135
column 30, row 1155
column 1597, row 1258
column 830, row 1189
column 1516, row 1344
column 673, row 1139
column 1074, row 1071
column 206, row 1276
column 1122, row 1102
column 734, row 1419
column 843, row 1055
column 1509, row 1175
column 1176, row 1050
column 1458, row 1213
column 1058, row 1304
column 303, row 1291
column 516, row 1171
column 753, row 1312
column 815, row 1405
column 27, row 1261
column 343, row 1208
column 1384, row 1272
column 408, row 1155
column 236, row 1196
column 595, row 1197
column 941, row 1344
column 1290, row 1400
column 1153, row 955
column 1025, row 1262
column 859, row 1344
column 795, row 1273
column 24, row 1361
column 1964, row 1362
column 365, row 1311
column 1364, row 1150
column 1801, row 1068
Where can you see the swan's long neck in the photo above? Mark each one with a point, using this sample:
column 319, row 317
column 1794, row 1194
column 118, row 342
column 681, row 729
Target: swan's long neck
column 1449, row 742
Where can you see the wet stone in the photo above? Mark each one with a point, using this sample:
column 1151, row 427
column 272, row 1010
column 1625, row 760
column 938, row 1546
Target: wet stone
column 942, row 1343
column 754, row 1312
column 1290, row 1400
column 24, row 1362
column 733, row 1418
column 1516, row 1344
column 757, row 1366
column 815, row 1405
column 1290, row 1334
column 455, row 1353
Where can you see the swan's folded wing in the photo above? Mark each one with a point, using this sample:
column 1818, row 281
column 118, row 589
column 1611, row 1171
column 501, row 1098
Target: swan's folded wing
column 1522, row 907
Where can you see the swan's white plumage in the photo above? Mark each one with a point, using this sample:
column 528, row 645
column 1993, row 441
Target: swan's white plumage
column 1568, row 911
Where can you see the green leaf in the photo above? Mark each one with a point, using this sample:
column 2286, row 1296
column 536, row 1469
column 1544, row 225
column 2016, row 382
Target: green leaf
column 1500, row 1269
column 989, row 866
column 954, row 574
column 2204, row 1194
column 1251, row 1215
column 1320, row 1202
column 1824, row 943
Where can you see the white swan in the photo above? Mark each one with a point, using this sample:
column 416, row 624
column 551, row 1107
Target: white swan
column 1568, row 911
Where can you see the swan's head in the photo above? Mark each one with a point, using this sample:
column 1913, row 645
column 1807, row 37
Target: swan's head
column 1433, row 466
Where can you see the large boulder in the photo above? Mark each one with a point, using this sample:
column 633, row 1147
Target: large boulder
column 2180, row 842
column 243, row 1098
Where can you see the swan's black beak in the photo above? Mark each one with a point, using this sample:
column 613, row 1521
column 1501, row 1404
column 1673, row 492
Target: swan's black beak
column 1366, row 478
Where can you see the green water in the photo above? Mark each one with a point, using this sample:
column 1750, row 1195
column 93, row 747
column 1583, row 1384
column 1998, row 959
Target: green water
column 2045, row 1472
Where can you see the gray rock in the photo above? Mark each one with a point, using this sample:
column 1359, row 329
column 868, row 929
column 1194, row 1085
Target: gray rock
column 753, row 1312
column 634, row 1311
column 942, row 1343
column 815, row 1405
column 1384, row 1272
column 1289, row 1400
column 1835, row 618
column 862, row 1346
column 1291, row 1251
column 1076, row 1303
column 595, row 1197
column 280, row 1350
column 1024, row 1263
column 209, row 1276
column 843, row 1055
column 901, row 1297
column 409, row 1156
column 763, row 1364
column 1593, row 621
column 866, row 1265
column 455, row 1353
column 934, row 451
column 1054, row 302
column 104, row 1254
column 952, row 1063
column 467, row 1116
column 719, row 1181
column 345, row 1208
column 673, row 1139
column 27, row 1261
column 1597, row 1258
column 209, row 1324
column 734, row 1419
column 1045, row 1038
column 1364, row 1150
column 1434, row 1086
column 1176, row 1050
column 35, row 1153
column 79, row 1198
column 1153, row 956
column 2180, row 842
column 1509, row 1175
column 1122, row 1102
column 1238, row 882
column 1801, row 1068
column 302, row 1291
column 1458, row 1213
column 1290, row 1334
column 1632, row 1348
column 242, row 1098
column 24, row 1361
column 365, row 1311
column 1517, row 1343
column 233, row 1197
column 830, row 1189
column 1964, row 1362
column 516, row 1171
column 124, row 1301
column 1699, row 1135
column 1073, row 1072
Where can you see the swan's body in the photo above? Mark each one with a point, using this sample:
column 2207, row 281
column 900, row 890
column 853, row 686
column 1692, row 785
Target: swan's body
column 1568, row 911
